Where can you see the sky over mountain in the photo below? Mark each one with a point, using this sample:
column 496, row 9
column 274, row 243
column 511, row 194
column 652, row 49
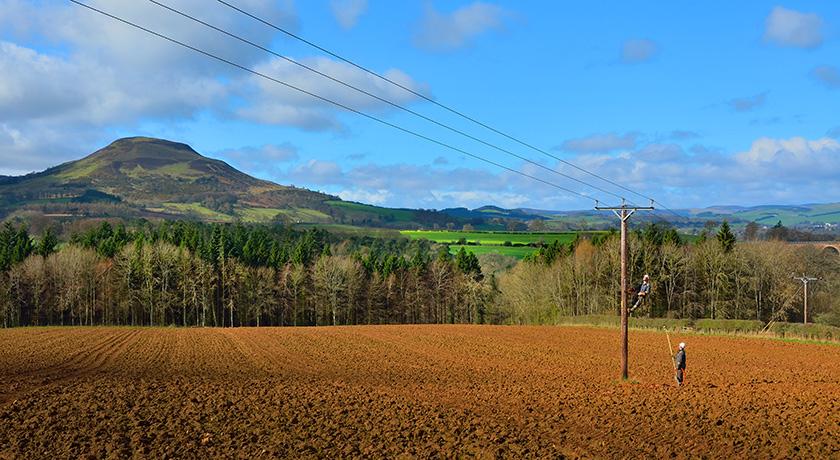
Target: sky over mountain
column 693, row 104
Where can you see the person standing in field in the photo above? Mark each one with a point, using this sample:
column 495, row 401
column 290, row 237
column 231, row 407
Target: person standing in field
column 679, row 362
column 642, row 293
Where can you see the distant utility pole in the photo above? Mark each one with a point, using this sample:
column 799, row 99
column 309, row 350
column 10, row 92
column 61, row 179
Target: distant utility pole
column 805, row 280
column 624, row 212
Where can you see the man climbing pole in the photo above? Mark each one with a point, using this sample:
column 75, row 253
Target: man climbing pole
column 679, row 361
column 642, row 293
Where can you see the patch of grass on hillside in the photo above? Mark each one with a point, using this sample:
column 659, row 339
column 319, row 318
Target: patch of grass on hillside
column 136, row 172
column 258, row 214
column 267, row 187
column 80, row 170
column 306, row 216
column 396, row 215
column 301, row 215
column 182, row 169
column 196, row 209
column 177, row 170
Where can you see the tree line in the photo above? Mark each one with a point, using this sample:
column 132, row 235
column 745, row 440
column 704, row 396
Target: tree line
column 195, row 274
column 713, row 277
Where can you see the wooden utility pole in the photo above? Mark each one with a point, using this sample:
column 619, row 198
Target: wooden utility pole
column 805, row 280
column 624, row 212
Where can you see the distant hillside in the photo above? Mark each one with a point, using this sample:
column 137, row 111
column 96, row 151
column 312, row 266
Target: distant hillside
column 808, row 216
column 155, row 178
column 816, row 215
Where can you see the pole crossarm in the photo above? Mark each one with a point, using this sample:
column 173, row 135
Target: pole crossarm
column 627, row 210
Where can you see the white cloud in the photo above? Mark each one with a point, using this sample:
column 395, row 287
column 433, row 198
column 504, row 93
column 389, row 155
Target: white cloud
column 347, row 12
column 660, row 152
column 828, row 75
column 746, row 104
column 794, row 161
column 638, row 50
column 317, row 172
column 792, row 28
column 794, row 170
column 84, row 75
column 277, row 104
column 475, row 199
column 262, row 161
column 34, row 146
column 445, row 32
column 84, row 90
column 600, row 143
column 377, row 197
column 422, row 186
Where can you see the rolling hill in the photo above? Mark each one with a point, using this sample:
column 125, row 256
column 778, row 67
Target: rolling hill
column 155, row 178
column 146, row 177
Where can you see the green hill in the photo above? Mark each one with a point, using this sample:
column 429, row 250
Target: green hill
column 152, row 177
column 156, row 178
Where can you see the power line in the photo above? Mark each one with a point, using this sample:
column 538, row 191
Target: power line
column 381, row 99
column 330, row 101
column 439, row 104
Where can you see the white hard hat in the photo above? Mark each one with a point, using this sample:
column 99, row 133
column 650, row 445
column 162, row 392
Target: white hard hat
column 682, row 345
column 646, row 277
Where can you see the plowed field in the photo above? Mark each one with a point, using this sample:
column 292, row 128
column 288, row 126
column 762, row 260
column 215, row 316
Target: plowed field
column 417, row 391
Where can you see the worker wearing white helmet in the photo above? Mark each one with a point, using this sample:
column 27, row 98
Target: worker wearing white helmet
column 679, row 360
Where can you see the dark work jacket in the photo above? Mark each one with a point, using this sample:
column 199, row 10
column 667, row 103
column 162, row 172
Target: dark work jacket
column 680, row 359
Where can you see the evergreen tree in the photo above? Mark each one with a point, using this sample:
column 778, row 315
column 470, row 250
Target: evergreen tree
column 671, row 236
column 21, row 245
column 48, row 242
column 726, row 238
column 653, row 235
column 467, row 263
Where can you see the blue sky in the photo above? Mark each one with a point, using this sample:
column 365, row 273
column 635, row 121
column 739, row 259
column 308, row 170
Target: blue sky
column 693, row 104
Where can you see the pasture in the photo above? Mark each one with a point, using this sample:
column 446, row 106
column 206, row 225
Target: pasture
column 514, row 244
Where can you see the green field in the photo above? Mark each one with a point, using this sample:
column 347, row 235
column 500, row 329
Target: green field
column 490, row 238
column 492, row 242
column 512, row 251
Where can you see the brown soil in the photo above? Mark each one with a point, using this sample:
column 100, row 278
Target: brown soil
column 413, row 391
